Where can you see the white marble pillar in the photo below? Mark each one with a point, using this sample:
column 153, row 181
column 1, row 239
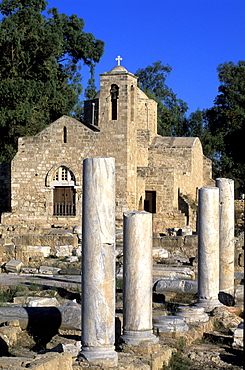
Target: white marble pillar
column 226, row 235
column 137, row 278
column 208, row 248
column 98, row 261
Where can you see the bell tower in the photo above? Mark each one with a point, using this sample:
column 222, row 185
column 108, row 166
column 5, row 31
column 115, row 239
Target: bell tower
column 117, row 97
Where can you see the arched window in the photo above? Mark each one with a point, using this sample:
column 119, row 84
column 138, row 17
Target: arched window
column 65, row 135
column 63, row 174
column 114, row 96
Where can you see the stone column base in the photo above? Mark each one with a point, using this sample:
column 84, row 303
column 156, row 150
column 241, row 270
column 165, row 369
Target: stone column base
column 164, row 324
column 208, row 304
column 106, row 356
column 192, row 313
column 134, row 337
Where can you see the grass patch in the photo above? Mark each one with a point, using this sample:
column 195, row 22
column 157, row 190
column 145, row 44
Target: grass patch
column 119, row 283
column 178, row 361
column 7, row 295
column 184, row 298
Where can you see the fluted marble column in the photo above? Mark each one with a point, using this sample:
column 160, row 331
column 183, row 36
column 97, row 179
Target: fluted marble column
column 137, row 278
column 208, row 248
column 98, row 261
column 226, row 235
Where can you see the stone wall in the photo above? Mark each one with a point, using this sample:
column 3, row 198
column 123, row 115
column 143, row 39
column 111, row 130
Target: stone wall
column 5, row 188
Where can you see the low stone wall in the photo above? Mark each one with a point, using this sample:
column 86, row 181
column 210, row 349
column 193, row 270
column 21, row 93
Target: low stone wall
column 187, row 247
column 49, row 361
column 25, row 247
column 178, row 245
column 239, row 215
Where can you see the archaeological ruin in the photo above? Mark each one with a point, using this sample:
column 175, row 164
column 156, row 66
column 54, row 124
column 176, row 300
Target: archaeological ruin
column 117, row 248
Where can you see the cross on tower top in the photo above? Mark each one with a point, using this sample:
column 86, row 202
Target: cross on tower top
column 118, row 60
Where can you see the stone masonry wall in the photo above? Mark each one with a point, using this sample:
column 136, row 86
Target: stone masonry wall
column 5, row 187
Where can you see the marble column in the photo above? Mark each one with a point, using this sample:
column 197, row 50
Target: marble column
column 226, row 235
column 98, row 261
column 137, row 278
column 208, row 248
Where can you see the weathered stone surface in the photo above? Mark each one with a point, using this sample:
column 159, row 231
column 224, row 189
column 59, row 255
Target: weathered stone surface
column 238, row 336
column 45, row 240
column 13, row 266
column 43, row 302
column 29, row 270
column 172, row 272
column 98, row 261
column 163, row 324
column 192, row 314
column 71, row 314
column 226, row 235
column 9, row 335
column 239, row 293
column 43, row 249
column 7, row 251
column 23, row 300
column 62, row 317
column 159, row 253
column 72, row 259
column 137, row 278
column 51, row 361
column 186, row 230
column 49, row 270
column 165, row 285
column 63, row 251
column 227, row 318
column 72, row 348
column 208, row 247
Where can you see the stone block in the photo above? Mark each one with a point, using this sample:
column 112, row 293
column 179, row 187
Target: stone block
column 72, row 259
column 23, row 300
column 163, row 324
column 63, row 251
column 48, row 270
column 9, row 335
column 29, row 270
column 238, row 336
column 166, row 285
column 51, row 361
column 186, row 230
column 72, row 348
column 159, row 252
column 43, row 302
column 13, row 266
column 37, row 249
column 169, row 272
column 239, row 293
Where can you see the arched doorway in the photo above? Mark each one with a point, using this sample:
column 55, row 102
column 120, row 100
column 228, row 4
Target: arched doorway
column 64, row 202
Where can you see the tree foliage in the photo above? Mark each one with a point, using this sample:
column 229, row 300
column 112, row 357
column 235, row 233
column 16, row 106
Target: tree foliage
column 226, row 123
column 39, row 68
column 171, row 111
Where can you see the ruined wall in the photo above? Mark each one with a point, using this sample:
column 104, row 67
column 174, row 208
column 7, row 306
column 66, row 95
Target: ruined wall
column 5, row 187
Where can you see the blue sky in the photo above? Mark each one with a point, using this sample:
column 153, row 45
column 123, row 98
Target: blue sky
column 192, row 36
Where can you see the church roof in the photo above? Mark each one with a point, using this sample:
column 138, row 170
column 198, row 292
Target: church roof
column 177, row 142
column 119, row 69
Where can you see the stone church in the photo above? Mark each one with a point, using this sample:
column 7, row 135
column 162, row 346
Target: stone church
column 161, row 175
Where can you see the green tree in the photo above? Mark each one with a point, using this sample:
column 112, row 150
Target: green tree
column 90, row 90
column 40, row 63
column 170, row 110
column 226, row 123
